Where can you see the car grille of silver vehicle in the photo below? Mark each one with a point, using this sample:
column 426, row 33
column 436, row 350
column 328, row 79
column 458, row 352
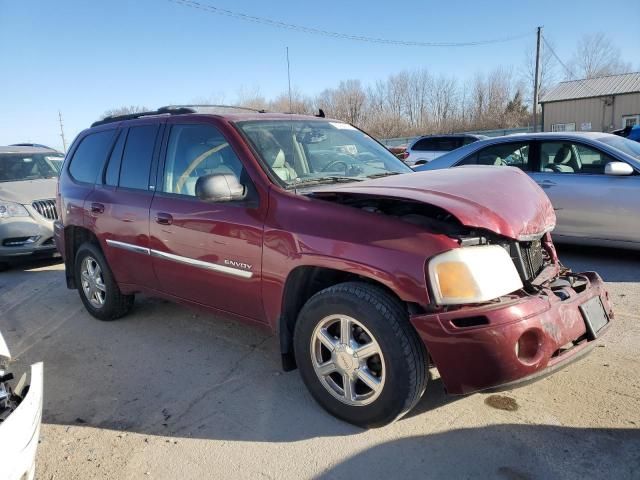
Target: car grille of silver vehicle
column 529, row 258
column 46, row 208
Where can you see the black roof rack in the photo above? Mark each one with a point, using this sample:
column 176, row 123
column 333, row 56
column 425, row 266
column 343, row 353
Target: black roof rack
column 168, row 110
column 207, row 105
column 130, row 116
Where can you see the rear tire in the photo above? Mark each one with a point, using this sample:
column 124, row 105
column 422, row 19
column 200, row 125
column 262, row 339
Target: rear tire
column 97, row 288
column 379, row 373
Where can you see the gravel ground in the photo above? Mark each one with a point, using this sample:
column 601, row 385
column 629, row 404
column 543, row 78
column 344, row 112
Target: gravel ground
column 168, row 393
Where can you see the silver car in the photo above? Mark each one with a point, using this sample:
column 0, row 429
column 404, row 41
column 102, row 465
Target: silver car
column 27, row 201
column 592, row 179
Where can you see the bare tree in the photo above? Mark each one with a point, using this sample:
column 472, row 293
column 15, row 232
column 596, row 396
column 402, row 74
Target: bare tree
column 347, row 102
column 126, row 110
column 442, row 103
column 299, row 103
column 596, row 55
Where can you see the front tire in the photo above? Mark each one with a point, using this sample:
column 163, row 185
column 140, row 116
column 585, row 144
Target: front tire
column 98, row 289
column 358, row 354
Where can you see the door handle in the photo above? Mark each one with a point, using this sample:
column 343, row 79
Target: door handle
column 547, row 183
column 97, row 208
column 164, row 218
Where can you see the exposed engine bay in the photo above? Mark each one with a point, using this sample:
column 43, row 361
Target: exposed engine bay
column 10, row 397
column 531, row 257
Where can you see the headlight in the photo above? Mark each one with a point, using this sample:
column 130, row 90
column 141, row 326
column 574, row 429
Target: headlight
column 10, row 209
column 472, row 275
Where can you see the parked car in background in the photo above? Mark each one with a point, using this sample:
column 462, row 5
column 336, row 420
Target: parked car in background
column 399, row 151
column 592, row 179
column 366, row 272
column 28, row 177
column 430, row 147
column 20, row 418
column 632, row 132
column 38, row 145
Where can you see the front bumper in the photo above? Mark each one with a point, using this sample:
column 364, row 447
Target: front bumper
column 13, row 232
column 485, row 356
column 20, row 432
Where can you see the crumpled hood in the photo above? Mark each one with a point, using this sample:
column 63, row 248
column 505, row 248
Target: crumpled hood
column 26, row 191
column 503, row 200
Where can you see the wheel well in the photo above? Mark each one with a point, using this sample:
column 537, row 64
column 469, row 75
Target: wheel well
column 302, row 283
column 73, row 238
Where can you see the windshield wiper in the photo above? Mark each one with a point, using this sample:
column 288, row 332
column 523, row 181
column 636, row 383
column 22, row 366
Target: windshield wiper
column 383, row 174
column 321, row 180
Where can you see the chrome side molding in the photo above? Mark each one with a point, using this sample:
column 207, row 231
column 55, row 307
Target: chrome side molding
column 236, row 272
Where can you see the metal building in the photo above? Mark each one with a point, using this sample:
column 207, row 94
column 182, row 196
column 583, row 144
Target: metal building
column 598, row 104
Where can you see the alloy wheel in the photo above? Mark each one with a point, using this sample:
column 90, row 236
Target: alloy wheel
column 347, row 360
column 92, row 282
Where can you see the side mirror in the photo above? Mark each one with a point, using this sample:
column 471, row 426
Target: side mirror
column 618, row 169
column 218, row 187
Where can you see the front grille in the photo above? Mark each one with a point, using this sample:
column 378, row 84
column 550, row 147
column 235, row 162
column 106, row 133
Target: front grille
column 529, row 258
column 46, row 208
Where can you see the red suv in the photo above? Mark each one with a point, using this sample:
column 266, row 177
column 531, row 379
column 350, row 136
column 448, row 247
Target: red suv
column 367, row 273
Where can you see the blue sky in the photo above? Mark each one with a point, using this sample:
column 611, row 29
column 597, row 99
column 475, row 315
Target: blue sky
column 84, row 57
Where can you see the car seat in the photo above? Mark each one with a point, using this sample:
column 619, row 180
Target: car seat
column 564, row 161
column 277, row 162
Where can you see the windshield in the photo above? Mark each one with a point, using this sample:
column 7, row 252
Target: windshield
column 28, row 166
column 299, row 151
column 625, row 145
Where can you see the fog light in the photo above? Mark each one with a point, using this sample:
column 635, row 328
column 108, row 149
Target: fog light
column 528, row 347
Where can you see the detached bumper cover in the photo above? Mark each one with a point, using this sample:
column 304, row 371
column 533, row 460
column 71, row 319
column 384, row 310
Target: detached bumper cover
column 20, row 432
column 485, row 356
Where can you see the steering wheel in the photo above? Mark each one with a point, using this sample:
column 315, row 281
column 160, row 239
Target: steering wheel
column 328, row 166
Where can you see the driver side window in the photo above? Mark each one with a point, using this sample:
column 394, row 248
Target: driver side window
column 569, row 157
column 193, row 151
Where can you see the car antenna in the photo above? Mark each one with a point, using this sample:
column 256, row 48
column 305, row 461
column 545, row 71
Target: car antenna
column 320, row 113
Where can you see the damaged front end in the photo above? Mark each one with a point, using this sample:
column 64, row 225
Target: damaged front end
column 20, row 418
column 502, row 308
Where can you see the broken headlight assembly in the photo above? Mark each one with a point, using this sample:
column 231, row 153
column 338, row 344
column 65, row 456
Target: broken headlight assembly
column 472, row 275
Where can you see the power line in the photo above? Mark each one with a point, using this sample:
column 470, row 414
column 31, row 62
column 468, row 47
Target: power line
column 572, row 75
column 345, row 36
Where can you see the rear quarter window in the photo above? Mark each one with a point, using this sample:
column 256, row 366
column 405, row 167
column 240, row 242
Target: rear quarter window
column 88, row 159
column 138, row 153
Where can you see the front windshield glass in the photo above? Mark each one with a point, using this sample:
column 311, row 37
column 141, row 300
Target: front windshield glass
column 28, row 166
column 306, row 152
column 623, row 144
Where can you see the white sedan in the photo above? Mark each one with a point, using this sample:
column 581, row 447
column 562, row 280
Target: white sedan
column 20, row 417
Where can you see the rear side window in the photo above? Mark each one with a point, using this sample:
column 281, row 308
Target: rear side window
column 504, row 154
column 438, row 144
column 424, row 145
column 88, row 159
column 138, row 153
column 113, row 168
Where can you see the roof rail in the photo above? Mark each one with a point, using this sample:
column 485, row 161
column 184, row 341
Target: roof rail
column 169, row 110
column 206, row 105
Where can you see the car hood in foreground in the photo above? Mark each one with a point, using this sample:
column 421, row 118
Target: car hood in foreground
column 503, row 200
column 26, row 191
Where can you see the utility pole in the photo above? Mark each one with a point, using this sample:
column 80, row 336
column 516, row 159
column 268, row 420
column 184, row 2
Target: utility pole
column 289, row 79
column 536, row 82
column 64, row 142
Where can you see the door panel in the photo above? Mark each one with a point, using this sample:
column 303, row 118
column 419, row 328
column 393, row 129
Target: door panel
column 123, row 228
column 208, row 253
